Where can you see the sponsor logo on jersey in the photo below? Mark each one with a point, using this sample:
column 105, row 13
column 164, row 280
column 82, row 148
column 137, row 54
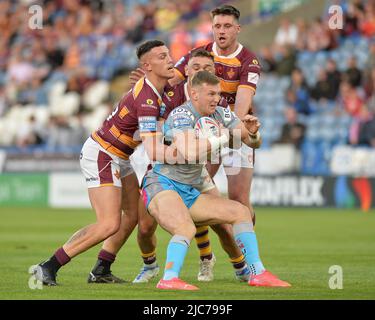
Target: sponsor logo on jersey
column 182, row 111
column 170, row 93
column 227, row 114
column 149, row 106
column 149, row 101
column 181, row 122
column 147, row 124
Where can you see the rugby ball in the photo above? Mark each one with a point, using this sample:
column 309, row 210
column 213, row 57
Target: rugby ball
column 207, row 127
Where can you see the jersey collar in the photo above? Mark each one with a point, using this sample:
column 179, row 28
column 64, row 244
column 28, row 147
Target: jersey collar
column 192, row 108
column 231, row 56
column 153, row 88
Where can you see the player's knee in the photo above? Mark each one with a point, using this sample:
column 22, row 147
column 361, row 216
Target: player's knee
column 132, row 216
column 223, row 230
column 146, row 228
column 109, row 228
column 186, row 229
column 240, row 213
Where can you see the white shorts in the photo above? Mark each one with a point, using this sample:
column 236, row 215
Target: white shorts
column 101, row 168
column 207, row 182
column 238, row 158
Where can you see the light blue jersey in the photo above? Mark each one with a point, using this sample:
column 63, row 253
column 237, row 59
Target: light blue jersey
column 185, row 117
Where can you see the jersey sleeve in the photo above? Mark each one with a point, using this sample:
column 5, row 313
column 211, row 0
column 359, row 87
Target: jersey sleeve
column 226, row 117
column 250, row 73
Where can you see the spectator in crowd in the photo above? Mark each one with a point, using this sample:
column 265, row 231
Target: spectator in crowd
column 298, row 93
column 292, row 131
column 351, row 20
column 186, row 14
column 180, row 41
column 267, row 60
column 333, row 77
column 167, row 16
column 351, row 99
column 287, row 34
column 318, row 37
column 30, row 134
column 362, row 129
column 367, row 24
column 203, row 30
column 367, row 132
column 63, row 134
column 370, row 90
column 54, row 54
column 149, row 24
column 353, row 74
column 302, row 34
column 286, row 61
column 322, row 89
column 369, row 67
column 370, row 63
column 134, row 26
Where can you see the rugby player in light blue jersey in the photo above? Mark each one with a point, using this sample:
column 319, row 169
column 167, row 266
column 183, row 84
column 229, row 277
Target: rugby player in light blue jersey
column 168, row 189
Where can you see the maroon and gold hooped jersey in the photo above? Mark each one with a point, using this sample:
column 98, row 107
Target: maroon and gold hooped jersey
column 136, row 115
column 240, row 69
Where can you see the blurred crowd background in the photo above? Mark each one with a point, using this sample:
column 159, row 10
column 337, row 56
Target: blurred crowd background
column 58, row 83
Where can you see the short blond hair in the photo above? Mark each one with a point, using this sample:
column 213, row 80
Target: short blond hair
column 202, row 77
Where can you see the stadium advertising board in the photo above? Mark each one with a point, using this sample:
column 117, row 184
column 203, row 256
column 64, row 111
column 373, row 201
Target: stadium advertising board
column 309, row 191
column 359, row 161
column 43, row 162
column 24, row 190
column 68, row 190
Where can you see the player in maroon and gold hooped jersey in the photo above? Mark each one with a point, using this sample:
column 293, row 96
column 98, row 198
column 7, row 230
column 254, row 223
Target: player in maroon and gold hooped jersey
column 111, row 181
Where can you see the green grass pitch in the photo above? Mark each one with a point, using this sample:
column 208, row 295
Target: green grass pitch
column 299, row 245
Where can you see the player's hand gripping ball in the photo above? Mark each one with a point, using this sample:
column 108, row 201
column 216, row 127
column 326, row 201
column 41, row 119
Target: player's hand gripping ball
column 207, row 127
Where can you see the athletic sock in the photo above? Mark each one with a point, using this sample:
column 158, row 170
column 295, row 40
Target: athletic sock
column 176, row 252
column 59, row 259
column 203, row 243
column 247, row 242
column 238, row 263
column 149, row 259
column 104, row 262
